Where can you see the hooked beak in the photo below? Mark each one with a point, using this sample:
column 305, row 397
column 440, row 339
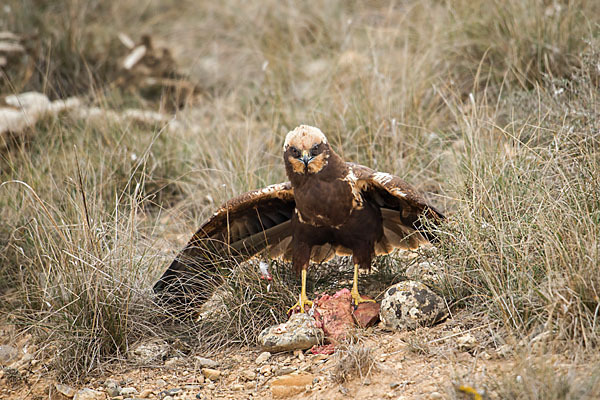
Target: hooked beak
column 305, row 158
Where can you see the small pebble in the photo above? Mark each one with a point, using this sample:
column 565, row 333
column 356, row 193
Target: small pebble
column 161, row 383
column 212, row 374
column 264, row 356
column 203, row 362
column 285, row 371
column 171, row 362
column 128, row 391
column 66, row 390
column 248, row 375
column 173, row 392
column 112, row 388
column 265, row 370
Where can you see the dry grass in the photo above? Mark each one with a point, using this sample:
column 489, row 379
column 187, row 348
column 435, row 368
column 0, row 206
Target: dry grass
column 491, row 107
column 353, row 359
column 536, row 377
column 524, row 240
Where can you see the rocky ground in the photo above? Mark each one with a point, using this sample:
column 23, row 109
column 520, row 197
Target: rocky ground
column 427, row 363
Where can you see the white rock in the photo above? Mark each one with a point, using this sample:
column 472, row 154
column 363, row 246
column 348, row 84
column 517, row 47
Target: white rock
column 10, row 47
column 202, row 362
column 128, row 391
column 28, row 107
column 31, row 101
column 89, row 394
column 299, row 332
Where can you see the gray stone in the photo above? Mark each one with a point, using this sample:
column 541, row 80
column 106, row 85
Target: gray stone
column 112, row 388
column 89, row 394
column 202, row 362
column 428, row 272
column 149, row 352
column 285, row 370
column 65, row 390
column 300, row 332
column 161, row 383
column 466, row 342
column 174, row 391
column 8, row 354
column 248, row 375
column 410, row 304
column 264, row 356
column 128, row 391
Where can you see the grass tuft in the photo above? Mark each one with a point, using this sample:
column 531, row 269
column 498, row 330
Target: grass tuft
column 353, row 359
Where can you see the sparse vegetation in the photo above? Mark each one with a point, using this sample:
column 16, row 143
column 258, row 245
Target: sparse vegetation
column 354, row 359
column 491, row 107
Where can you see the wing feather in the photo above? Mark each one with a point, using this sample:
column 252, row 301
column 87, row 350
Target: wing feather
column 239, row 229
column 402, row 208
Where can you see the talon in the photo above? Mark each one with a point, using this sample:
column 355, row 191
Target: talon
column 357, row 298
column 302, row 302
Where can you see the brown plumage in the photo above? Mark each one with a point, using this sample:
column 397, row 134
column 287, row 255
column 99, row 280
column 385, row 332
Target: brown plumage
column 329, row 207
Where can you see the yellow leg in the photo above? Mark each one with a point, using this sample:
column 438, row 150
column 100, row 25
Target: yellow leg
column 355, row 296
column 303, row 300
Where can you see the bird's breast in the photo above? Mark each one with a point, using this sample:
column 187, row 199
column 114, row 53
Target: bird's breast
column 324, row 203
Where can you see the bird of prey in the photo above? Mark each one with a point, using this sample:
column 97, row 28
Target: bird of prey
column 329, row 207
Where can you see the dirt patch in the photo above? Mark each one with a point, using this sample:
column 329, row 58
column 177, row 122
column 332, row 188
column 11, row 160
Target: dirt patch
column 425, row 363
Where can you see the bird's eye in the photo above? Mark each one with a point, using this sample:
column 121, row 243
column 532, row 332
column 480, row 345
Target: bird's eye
column 295, row 152
column 314, row 150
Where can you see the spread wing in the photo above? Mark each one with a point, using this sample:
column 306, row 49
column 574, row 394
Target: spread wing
column 243, row 226
column 402, row 209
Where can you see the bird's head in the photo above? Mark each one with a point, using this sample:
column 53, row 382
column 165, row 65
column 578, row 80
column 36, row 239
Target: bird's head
column 306, row 150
